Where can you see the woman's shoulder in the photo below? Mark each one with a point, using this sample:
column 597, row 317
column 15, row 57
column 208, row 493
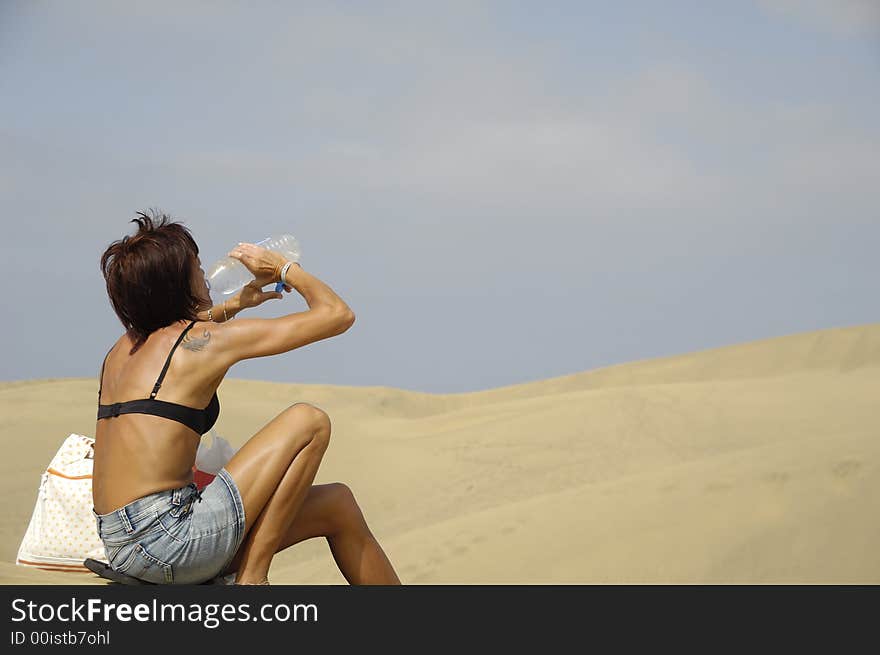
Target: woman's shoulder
column 198, row 335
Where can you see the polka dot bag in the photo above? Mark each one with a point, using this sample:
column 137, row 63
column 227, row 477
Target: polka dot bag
column 62, row 532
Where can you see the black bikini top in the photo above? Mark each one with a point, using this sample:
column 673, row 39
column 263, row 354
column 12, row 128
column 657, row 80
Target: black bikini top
column 199, row 420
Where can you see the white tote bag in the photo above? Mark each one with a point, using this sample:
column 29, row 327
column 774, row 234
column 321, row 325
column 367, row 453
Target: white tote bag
column 63, row 532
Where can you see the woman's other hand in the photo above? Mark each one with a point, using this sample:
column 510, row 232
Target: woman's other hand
column 252, row 295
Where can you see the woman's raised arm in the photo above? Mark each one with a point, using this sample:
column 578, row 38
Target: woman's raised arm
column 328, row 315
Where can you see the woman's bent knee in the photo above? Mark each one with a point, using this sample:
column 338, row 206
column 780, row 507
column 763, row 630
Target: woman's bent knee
column 342, row 493
column 346, row 511
column 314, row 417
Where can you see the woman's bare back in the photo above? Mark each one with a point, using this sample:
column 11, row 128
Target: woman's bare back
column 140, row 454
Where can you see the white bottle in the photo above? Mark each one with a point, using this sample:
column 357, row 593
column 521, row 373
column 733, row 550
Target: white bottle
column 228, row 275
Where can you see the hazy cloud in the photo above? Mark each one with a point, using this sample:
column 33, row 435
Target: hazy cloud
column 530, row 192
column 841, row 17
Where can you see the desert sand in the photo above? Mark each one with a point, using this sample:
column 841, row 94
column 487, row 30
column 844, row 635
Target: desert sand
column 757, row 463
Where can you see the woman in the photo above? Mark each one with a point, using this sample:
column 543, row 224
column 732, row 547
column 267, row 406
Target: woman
column 154, row 523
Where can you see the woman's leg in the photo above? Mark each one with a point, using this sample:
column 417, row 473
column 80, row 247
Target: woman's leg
column 358, row 555
column 331, row 511
column 274, row 471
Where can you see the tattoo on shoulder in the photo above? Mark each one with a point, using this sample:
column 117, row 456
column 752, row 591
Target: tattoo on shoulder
column 196, row 343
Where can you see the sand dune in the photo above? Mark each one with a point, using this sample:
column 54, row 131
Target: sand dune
column 755, row 463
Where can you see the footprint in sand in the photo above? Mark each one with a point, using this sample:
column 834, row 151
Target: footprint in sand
column 410, row 570
column 776, row 478
column 453, row 547
column 422, row 577
column 846, row 468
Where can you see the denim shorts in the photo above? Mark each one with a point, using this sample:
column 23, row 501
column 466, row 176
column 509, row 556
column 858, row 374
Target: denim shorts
column 178, row 536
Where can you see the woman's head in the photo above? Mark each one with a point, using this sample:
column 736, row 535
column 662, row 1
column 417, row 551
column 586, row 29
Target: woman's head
column 154, row 278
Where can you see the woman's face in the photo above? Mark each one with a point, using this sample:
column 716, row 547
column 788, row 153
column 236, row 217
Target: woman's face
column 200, row 285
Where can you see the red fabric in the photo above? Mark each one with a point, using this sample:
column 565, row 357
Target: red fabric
column 201, row 478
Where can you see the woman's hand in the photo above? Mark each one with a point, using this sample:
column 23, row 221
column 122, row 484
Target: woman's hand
column 265, row 265
column 252, row 295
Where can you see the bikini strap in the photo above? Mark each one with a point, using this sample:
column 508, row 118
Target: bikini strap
column 168, row 360
column 101, row 378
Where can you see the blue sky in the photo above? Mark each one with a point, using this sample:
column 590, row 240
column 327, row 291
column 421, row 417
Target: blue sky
column 503, row 192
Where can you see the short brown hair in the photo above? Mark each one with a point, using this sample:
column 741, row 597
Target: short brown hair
column 148, row 276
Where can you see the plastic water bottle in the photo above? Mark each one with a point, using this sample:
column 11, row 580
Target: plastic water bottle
column 228, row 275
